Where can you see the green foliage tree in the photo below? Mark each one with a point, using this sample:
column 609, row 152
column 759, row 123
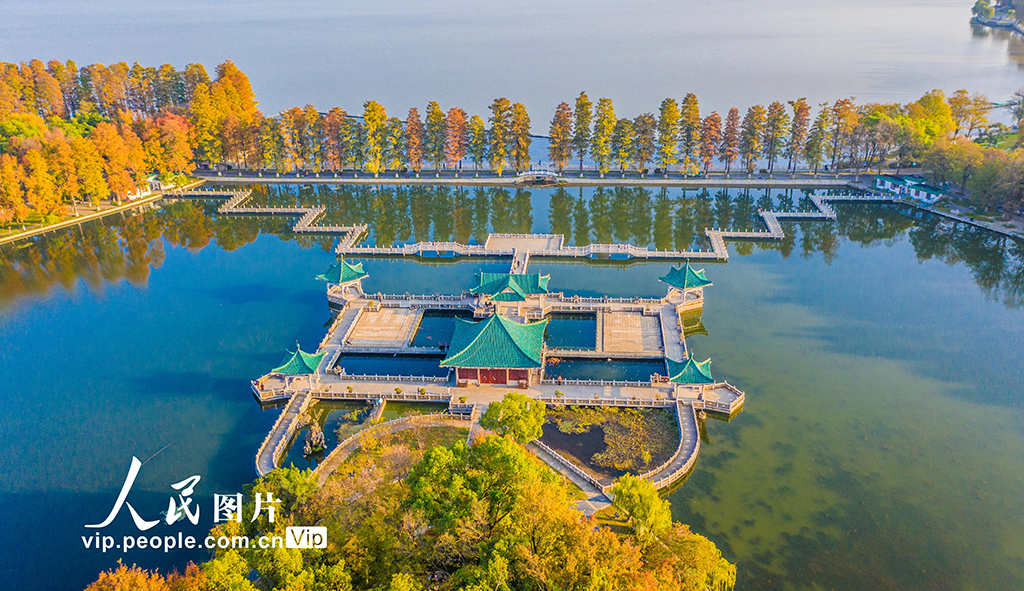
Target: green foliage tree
column 668, row 134
column 601, row 139
column 819, row 138
column 581, row 127
column 477, row 141
column 644, row 129
column 500, row 134
column 773, row 135
column 751, row 134
column 622, row 144
column 689, row 134
column 648, row 514
column 434, row 135
column 517, row 415
column 983, row 9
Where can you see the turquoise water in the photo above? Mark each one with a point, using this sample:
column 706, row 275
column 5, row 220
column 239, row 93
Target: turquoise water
column 881, row 445
column 571, row 331
column 600, row 369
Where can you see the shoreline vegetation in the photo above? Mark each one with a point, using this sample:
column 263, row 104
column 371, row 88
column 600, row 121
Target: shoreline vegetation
column 71, row 135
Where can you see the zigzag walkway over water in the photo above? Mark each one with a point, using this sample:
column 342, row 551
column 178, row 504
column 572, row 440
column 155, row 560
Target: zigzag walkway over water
column 305, row 224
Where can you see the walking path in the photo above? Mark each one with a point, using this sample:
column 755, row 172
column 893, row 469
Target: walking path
column 595, row 501
column 274, row 444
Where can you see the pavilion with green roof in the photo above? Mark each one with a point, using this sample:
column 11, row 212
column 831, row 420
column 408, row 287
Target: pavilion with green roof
column 299, row 363
column 497, row 350
column 343, row 273
column 686, row 278
column 690, row 371
column 510, row 287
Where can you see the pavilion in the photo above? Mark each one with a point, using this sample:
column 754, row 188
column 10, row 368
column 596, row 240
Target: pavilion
column 510, row 287
column 690, row 371
column 686, row 282
column 345, row 275
column 299, row 363
column 497, row 350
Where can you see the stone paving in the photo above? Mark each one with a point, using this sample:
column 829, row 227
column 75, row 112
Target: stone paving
column 388, row 327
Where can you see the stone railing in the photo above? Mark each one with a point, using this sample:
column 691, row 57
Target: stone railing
column 572, row 467
column 612, row 383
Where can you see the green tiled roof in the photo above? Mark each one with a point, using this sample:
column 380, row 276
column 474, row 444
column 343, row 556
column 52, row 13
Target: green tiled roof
column 496, row 343
column 300, row 363
column 511, row 287
column 343, row 272
column 690, row 371
column 686, row 278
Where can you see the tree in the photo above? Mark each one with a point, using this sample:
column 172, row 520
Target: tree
column 414, row 140
column 843, row 117
column 668, row 134
column 797, row 132
column 394, row 151
column 12, row 192
column 960, row 109
column 520, row 148
column 648, row 514
column 336, row 134
column 40, row 188
column 983, row 9
column 293, row 130
column 89, row 170
column 205, row 134
column 517, row 415
column 729, row 149
column 314, row 143
column 116, row 159
column 561, row 144
column 966, row 157
column 819, row 138
column 500, row 134
column 477, row 141
column 644, row 128
column 456, row 137
column 374, row 126
column 581, row 127
column 622, row 144
column 689, row 134
column 751, row 133
column 977, row 114
column 601, row 139
column 710, row 138
column 434, row 136
column 775, row 125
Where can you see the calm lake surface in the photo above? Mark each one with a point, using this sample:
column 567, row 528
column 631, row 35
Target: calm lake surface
column 466, row 53
column 882, row 444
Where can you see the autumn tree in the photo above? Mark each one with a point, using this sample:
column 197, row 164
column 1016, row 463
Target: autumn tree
column 644, row 129
column 374, row 130
column 729, row 149
column 89, row 170
column 314, row 141
column 521, row 140
column 710, row 139
column 797, row 132
column 751, row 134
column 689, row 134
column 116, row 159
column 648, row 514
column 500, row 134
column 12, row 193
column 335, row 138
column 668, row 134
column 561, row 145
column 414, row 140
column 843, row 117
column 601, row 139
column 394, row 144
column 456, row 137
column 40, row 188
column 581, row 127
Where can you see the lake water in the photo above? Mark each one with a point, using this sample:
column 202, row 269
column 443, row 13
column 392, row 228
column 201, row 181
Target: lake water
column 466, row 53
column 882, row 443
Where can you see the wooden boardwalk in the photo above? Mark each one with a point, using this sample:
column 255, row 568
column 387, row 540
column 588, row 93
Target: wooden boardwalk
column 305, row 224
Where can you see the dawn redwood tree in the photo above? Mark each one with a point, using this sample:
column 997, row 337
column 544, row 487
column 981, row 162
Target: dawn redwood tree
column 819, row 138
column 520, row 146
column 561, row 145
column 729, row 149
column 374, row 126
column 456, row 137
column 477, row 141
column 500, row 134
column 601, row 139
column 751, row 132
column 668, row 134
column 843, row 117
column 689, row 134
column 710, row 138
column 644, row 128
column 414, row 140
column 434, row 136
column 797, row 132
column 581, row 127
column 774, row 132
column 622, row 144
column 335, row 138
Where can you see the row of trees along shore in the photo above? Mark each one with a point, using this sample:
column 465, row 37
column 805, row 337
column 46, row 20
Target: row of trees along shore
column 70, row 134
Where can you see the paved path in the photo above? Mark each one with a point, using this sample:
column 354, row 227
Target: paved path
column 595, row 500
column 273, row 446
column 686, row 453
